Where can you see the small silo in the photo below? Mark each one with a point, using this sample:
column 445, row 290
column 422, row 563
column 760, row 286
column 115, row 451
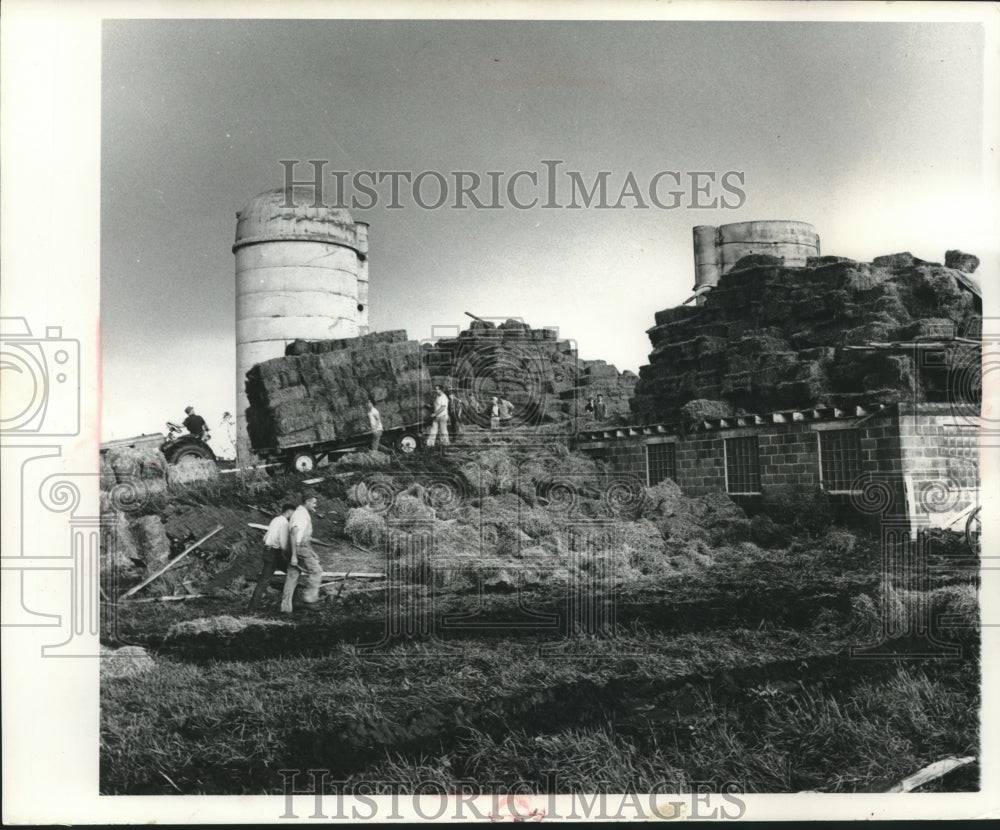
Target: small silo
column 301, row 273
column 718, row 249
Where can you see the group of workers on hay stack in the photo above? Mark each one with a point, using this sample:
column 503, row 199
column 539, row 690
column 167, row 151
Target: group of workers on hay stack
column 449, row 411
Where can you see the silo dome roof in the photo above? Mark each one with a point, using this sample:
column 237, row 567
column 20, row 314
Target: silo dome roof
column 268, row 217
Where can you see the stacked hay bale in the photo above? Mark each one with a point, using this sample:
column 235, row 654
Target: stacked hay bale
column 319, row 391
column 536, row 371
column 770, row 337
column 139, row 472
column 121, row 465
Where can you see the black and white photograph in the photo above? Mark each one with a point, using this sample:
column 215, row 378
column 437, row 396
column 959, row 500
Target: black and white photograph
column 463, row 414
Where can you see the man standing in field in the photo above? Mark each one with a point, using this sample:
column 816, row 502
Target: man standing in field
column 439, row 420
column 302, row 558
column 277, row 550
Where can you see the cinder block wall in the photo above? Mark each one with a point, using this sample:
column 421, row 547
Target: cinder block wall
column 788, row 453
column 940, row 454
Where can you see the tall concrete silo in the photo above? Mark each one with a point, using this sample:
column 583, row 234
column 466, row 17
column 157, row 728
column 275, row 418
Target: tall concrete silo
column 301, row 273
column 718, row 249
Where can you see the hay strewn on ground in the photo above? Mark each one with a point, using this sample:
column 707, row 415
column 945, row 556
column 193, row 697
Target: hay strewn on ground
column 128, row 661
column 220, row 625
column 191, row 470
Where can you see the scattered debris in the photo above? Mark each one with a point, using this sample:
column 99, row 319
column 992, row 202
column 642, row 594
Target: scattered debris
column 170, row 564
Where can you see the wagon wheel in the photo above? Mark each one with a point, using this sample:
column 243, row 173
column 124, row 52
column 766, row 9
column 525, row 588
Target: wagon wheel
column 973, row 529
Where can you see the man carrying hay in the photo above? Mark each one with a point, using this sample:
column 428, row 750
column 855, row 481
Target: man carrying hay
column 302, row 559
column 439, row 420
column 277, row 552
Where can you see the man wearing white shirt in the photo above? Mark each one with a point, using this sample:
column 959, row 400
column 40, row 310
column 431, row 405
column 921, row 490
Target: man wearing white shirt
column 439, row 420
column 277, row 550
column 302, row 560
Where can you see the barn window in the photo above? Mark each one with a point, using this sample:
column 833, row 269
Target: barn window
column 661, row 463
column 839, row 458
column 742, row 465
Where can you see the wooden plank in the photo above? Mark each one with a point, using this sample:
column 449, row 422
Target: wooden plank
column 930, row 773
column 170, row 564
column 314, row 540
column 174, row 598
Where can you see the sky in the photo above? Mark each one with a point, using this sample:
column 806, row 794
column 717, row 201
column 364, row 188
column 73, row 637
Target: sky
column 872, row 132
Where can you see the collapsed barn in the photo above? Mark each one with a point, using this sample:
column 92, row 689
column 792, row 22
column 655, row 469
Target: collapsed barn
column 792, row 372
column 830, row 376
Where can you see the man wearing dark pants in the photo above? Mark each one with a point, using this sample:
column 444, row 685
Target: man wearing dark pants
column 195, row 424
column 277, row 550
column 303, row 560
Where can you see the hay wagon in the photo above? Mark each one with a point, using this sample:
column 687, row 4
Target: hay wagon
column 304, row 457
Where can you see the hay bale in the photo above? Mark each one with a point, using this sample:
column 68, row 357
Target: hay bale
column 703, row 409
column 357, row 495
column 897, row 262
column 191, row 470
column 961, row 261
column 147, row 463
column 129, row 661
column 407, row 508
column 108, row 479
column 118, row 545
column 366, row 527
column 153, row 550
column 152, row 544
column 490, row 472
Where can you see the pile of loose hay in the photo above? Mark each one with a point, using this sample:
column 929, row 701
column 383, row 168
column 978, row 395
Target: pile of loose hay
column 191, row 470
column 221, row 625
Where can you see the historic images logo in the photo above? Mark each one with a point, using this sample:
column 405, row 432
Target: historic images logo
column 550, row 188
